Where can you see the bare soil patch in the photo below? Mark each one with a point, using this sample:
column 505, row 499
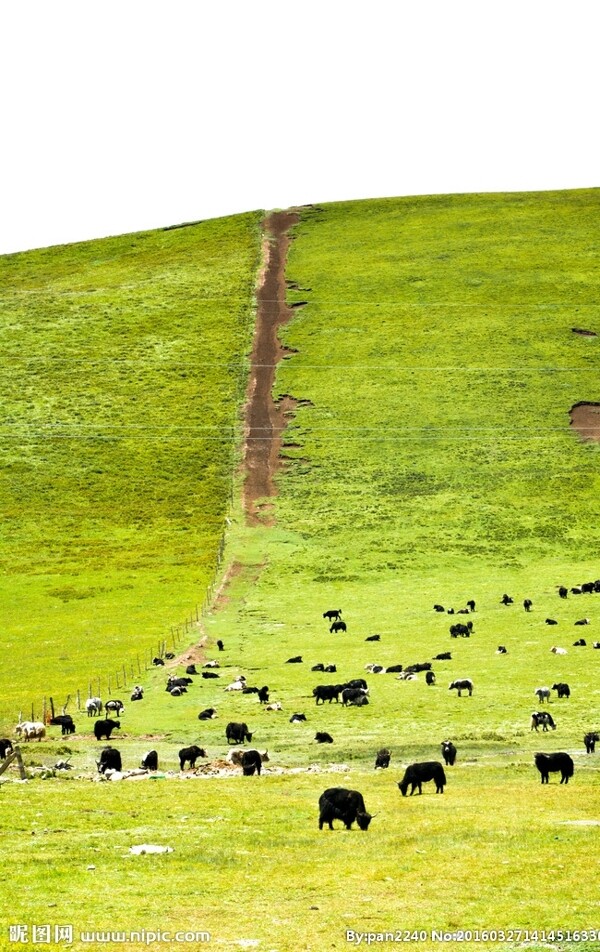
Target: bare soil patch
column 266, row 418
column 585, row 419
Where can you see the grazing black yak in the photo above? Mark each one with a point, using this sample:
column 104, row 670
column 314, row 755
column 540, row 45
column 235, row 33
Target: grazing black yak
column 549, row 763
column 417, row 774
column 337, row 803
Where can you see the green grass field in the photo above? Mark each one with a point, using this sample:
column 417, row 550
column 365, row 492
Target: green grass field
column 434, row 463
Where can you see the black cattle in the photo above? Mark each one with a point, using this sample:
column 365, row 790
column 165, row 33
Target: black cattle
column 249, row 690
column 169, row 655
column 137, row 694
column 418, row 774
column 220, row 645
column 330, row 668
column 580, row 643
column 237, row 733
column 322, row 737
column 157, row 661
column 327, row 692
column 251, row 763
column 596, row 644
column 114, row 707
column 450, row 611
column 540, row 717
column 430, row 677
column 527, row 604
column 191, row 669
column 550, row 763
column 506, row 600
column 563, row 592
column 463, row 611
column 373, row 638
column 337, row 803
column 394, row 669
column 444, row 656
column 439, row 608
column 551, row 621
column 296, row 660
column 354, row 696
column 356, row 683
column 210, row 674
column 297, row 718
column 464, row 685
column 563, row 689
column 66, row 723
column 190, row 753
column 587, row 588
column 461, row 631
column 110, row 759
column 338, row 626
column 590, row 741
column 6, row 748
column 207, row 714
column 576, row 591
column 178, row 683
column 471, row 605
column 318, row 667
column 415, row 668
column 263, row 694
column 333, row 614
column 105, row 728
column 448, row 753
column 150, row 760
column 383, row 758
column 177, row 692
column 501, row 649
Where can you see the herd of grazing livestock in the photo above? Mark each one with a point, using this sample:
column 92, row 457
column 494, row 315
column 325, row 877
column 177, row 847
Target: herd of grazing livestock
column 335, row 803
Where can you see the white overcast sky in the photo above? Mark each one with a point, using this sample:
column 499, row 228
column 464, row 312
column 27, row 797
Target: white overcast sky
column 122, row 115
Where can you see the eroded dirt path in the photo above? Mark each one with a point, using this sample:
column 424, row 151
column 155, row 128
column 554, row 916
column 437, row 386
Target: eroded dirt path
column 265, row 418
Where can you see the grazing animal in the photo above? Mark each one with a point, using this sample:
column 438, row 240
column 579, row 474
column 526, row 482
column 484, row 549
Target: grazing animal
column 333, row 614
column 444, row 656
column 318, row 667
column 439, row 608
column 220, row 645
column 415, row 668
column 110, row 759
column 527, row 604
column 158, row 662
column 541, row 717
column 471, row 605
column 177, row 692
column 275, row 706
column 150, row 760
column 430, row 677
column 549, row 763
column 563, row 592
column 580, row 643
column 207, row 715
column 105, row 728
column 551, row 621
column 114, row 707
column 337, row 803
column 297, row 718
column 178, row 683
column 556, row 650
column 235, row 755
column 394, row 669
column 356, row 683
column 406, row 676
column 418, row 774
column 169, row 655
column 30, row 730
column 296, row 660
column 501, row 649
column 263, row 694
column 338, row 626
column 251, row 763
column 465, row 684
column 207, row 664
column 587, row 588
column 191, row 669
column 506, row 600
column 373, row 638
column 138, row 693
column 190, row 754
column 322, row 737
column 327, row 692
column 93, row 706
column 236, row 685
column 448, row 753
column 589, row 740
column 353, row 696
column 210, row 674
column 375, row 668
column 330, row 668
column 542, row 694
column 66, row 723
column 596, row 644
column 583, row 621
column 563, row 689
column 250, row 690
column 6, row 748
column 383, row 758
column 461, row 631
column 576, row 591
column 237, row 732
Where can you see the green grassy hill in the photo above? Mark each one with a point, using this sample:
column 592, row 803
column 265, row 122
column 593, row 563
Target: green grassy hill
column 124, row 367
